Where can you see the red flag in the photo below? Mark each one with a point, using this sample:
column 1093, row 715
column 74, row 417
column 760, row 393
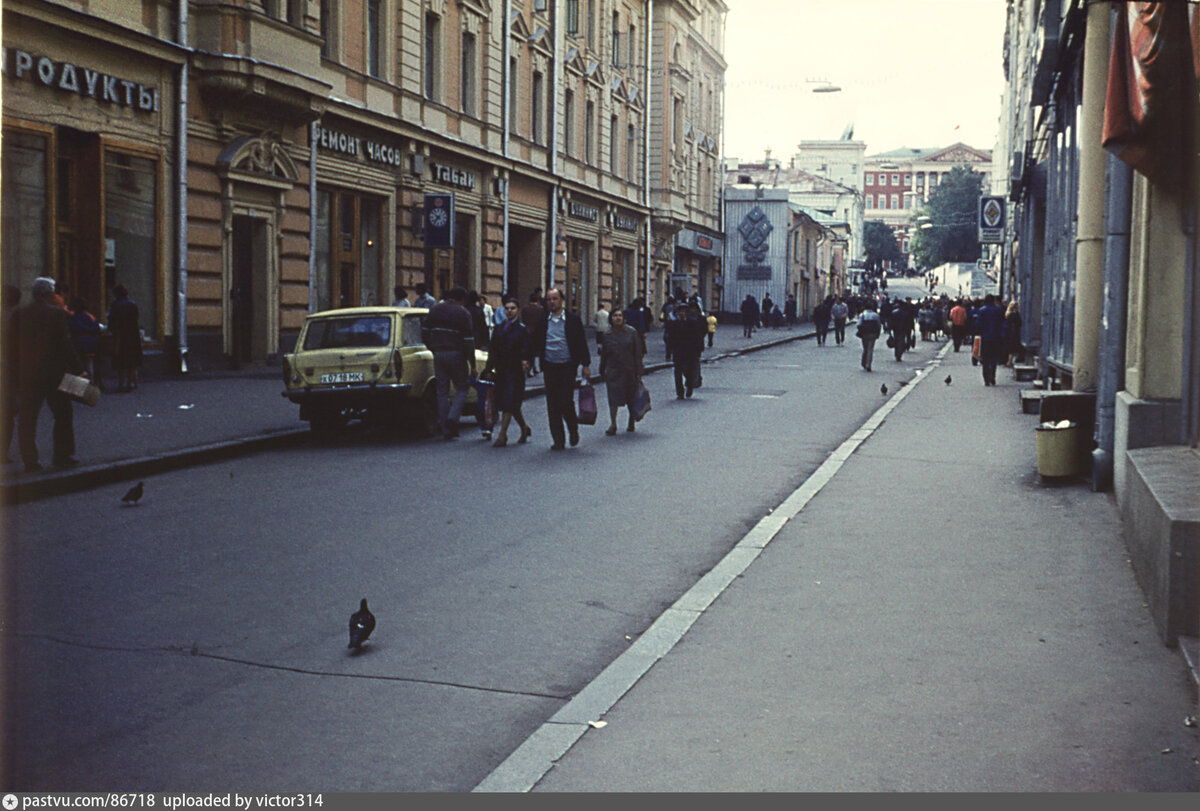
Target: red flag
column 1151, row 99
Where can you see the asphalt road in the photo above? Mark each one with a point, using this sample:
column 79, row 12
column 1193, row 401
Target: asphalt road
column 197, row 641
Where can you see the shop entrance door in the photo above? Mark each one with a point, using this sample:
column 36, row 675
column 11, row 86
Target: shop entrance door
column 247, row 294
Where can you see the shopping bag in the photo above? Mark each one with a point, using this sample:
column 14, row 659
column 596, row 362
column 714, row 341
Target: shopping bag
column 79, row 389
column 975, row 348
column 641, row 402
column 587, row 404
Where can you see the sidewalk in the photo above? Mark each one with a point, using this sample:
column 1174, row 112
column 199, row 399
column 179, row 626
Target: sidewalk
column 168, row 423
column 923, row 614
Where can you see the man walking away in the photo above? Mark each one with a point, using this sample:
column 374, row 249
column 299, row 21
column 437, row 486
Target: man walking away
column 839, row 312
column 869, row 327
column 449, row 335
column 991, row 335
column 685, row 337
column 749, row 316
column 958, row 324
column 561, row 342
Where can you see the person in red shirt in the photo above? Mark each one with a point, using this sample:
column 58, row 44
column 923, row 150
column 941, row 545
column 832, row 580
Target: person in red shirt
column 959, row 318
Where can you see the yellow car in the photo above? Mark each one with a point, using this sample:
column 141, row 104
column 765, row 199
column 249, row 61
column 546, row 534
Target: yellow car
column 366, row 363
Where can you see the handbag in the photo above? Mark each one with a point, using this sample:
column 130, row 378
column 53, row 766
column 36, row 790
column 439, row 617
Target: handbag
column 640, row 406
column 486, row 394
column 587, row 411
column 79, row 389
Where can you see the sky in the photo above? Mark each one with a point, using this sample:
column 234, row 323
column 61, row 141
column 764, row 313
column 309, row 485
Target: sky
column 912, row 73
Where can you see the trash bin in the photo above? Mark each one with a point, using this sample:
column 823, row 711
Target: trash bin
column 1058, row 449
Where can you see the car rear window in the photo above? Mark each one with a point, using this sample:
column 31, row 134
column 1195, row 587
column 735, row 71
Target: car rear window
column 349, row 332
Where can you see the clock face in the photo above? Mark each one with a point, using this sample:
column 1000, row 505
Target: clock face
column 438, row 217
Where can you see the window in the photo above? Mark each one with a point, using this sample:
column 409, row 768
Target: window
column 895, row 201
column 348, row 252
column 613, row 139
column 633, row 45
column 908, row 179
column 374, row 36
column 630, row 153
column 130, row 212
column 569, row 123
column 589, row 132
column 539, row 5
column 536, row 94
column 591, row 24
column 468, row 74
column 512, row 94
column 677, row 123
column 870, row 178
column 327, row 29
column 433, row 36
column 616, row 40
column 895, row 180
column 572, row 16
column 870, row 201
column 295, row 11
column 25, row 190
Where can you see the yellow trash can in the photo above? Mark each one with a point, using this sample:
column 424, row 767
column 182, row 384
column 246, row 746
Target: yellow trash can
column 1058, row 449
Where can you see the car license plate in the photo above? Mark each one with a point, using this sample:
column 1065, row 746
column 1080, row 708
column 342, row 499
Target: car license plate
column 343, row 377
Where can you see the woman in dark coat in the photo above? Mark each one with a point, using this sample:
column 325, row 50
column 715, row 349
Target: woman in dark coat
column 621, row 366
column 1013, row 351
column 508, row 359
column 127, row 338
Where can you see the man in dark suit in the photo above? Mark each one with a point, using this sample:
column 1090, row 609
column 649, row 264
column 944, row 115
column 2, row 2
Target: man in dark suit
column 41, row 333
column 561, row 343
column 449, row 335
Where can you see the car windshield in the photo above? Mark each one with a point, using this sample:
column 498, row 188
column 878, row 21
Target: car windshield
column 349, row 332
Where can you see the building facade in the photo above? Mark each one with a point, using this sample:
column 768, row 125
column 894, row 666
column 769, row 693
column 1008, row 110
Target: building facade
column 1101, row 248
column 896, row 184
column 253, row 161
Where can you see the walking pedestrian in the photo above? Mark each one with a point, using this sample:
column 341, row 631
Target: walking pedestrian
column 839, row 312
column 41, row 336
column 789, row 311
column 448, row 333
column 507, row 363
column 765, row 309
column 122, row 322
column 561, row 342
column 1013, row 350
column 821, row 320
column 869, row 327
column 399, row 297
column 749, row 316
column 600, row 323
column 423, row 298
column 990, row 328
column 621, row 366
column 711, row 321
column 685, row 337
column 959, row 319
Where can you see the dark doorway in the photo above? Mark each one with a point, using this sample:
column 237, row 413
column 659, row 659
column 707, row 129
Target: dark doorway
column 247, row 294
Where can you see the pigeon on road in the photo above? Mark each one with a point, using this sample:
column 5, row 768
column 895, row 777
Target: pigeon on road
column 362, row 623
column 135, row 494
column 883, row 388
column 947, row 380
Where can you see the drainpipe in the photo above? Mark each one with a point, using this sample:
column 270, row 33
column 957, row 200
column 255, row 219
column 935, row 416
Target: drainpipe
column 1089, row 243
column 508, row 113
column 1119, row 195
column 646, row 149
column 312, row 216
column 555, row 83
column 181, row 161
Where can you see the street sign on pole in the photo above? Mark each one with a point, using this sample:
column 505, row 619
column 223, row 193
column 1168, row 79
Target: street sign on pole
column 991, row 220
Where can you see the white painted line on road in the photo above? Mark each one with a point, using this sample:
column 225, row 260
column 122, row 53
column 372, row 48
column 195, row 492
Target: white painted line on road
column 522, row 770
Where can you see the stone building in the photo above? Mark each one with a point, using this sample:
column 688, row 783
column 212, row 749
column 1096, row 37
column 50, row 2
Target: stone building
column 256, row 160
column 1101, row 253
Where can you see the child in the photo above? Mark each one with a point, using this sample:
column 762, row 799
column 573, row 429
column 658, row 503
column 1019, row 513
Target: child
column 712, row 328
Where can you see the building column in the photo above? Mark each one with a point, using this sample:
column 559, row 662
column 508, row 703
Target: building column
column 1089, row 241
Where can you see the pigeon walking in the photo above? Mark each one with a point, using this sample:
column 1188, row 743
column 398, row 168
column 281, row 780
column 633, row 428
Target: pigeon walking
column 883, row 388
column 362, row 623
column 947, row 380
column 135, row 494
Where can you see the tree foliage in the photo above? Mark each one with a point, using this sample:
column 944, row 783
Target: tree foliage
column 953, row 212
column 879, row 244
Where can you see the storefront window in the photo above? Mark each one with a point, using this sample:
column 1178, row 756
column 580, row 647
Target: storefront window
column 130, row 211
column 348, row 250
column 25, row 209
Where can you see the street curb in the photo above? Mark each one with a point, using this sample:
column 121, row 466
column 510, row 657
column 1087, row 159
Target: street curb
column 60, row 483
column 57, row 483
